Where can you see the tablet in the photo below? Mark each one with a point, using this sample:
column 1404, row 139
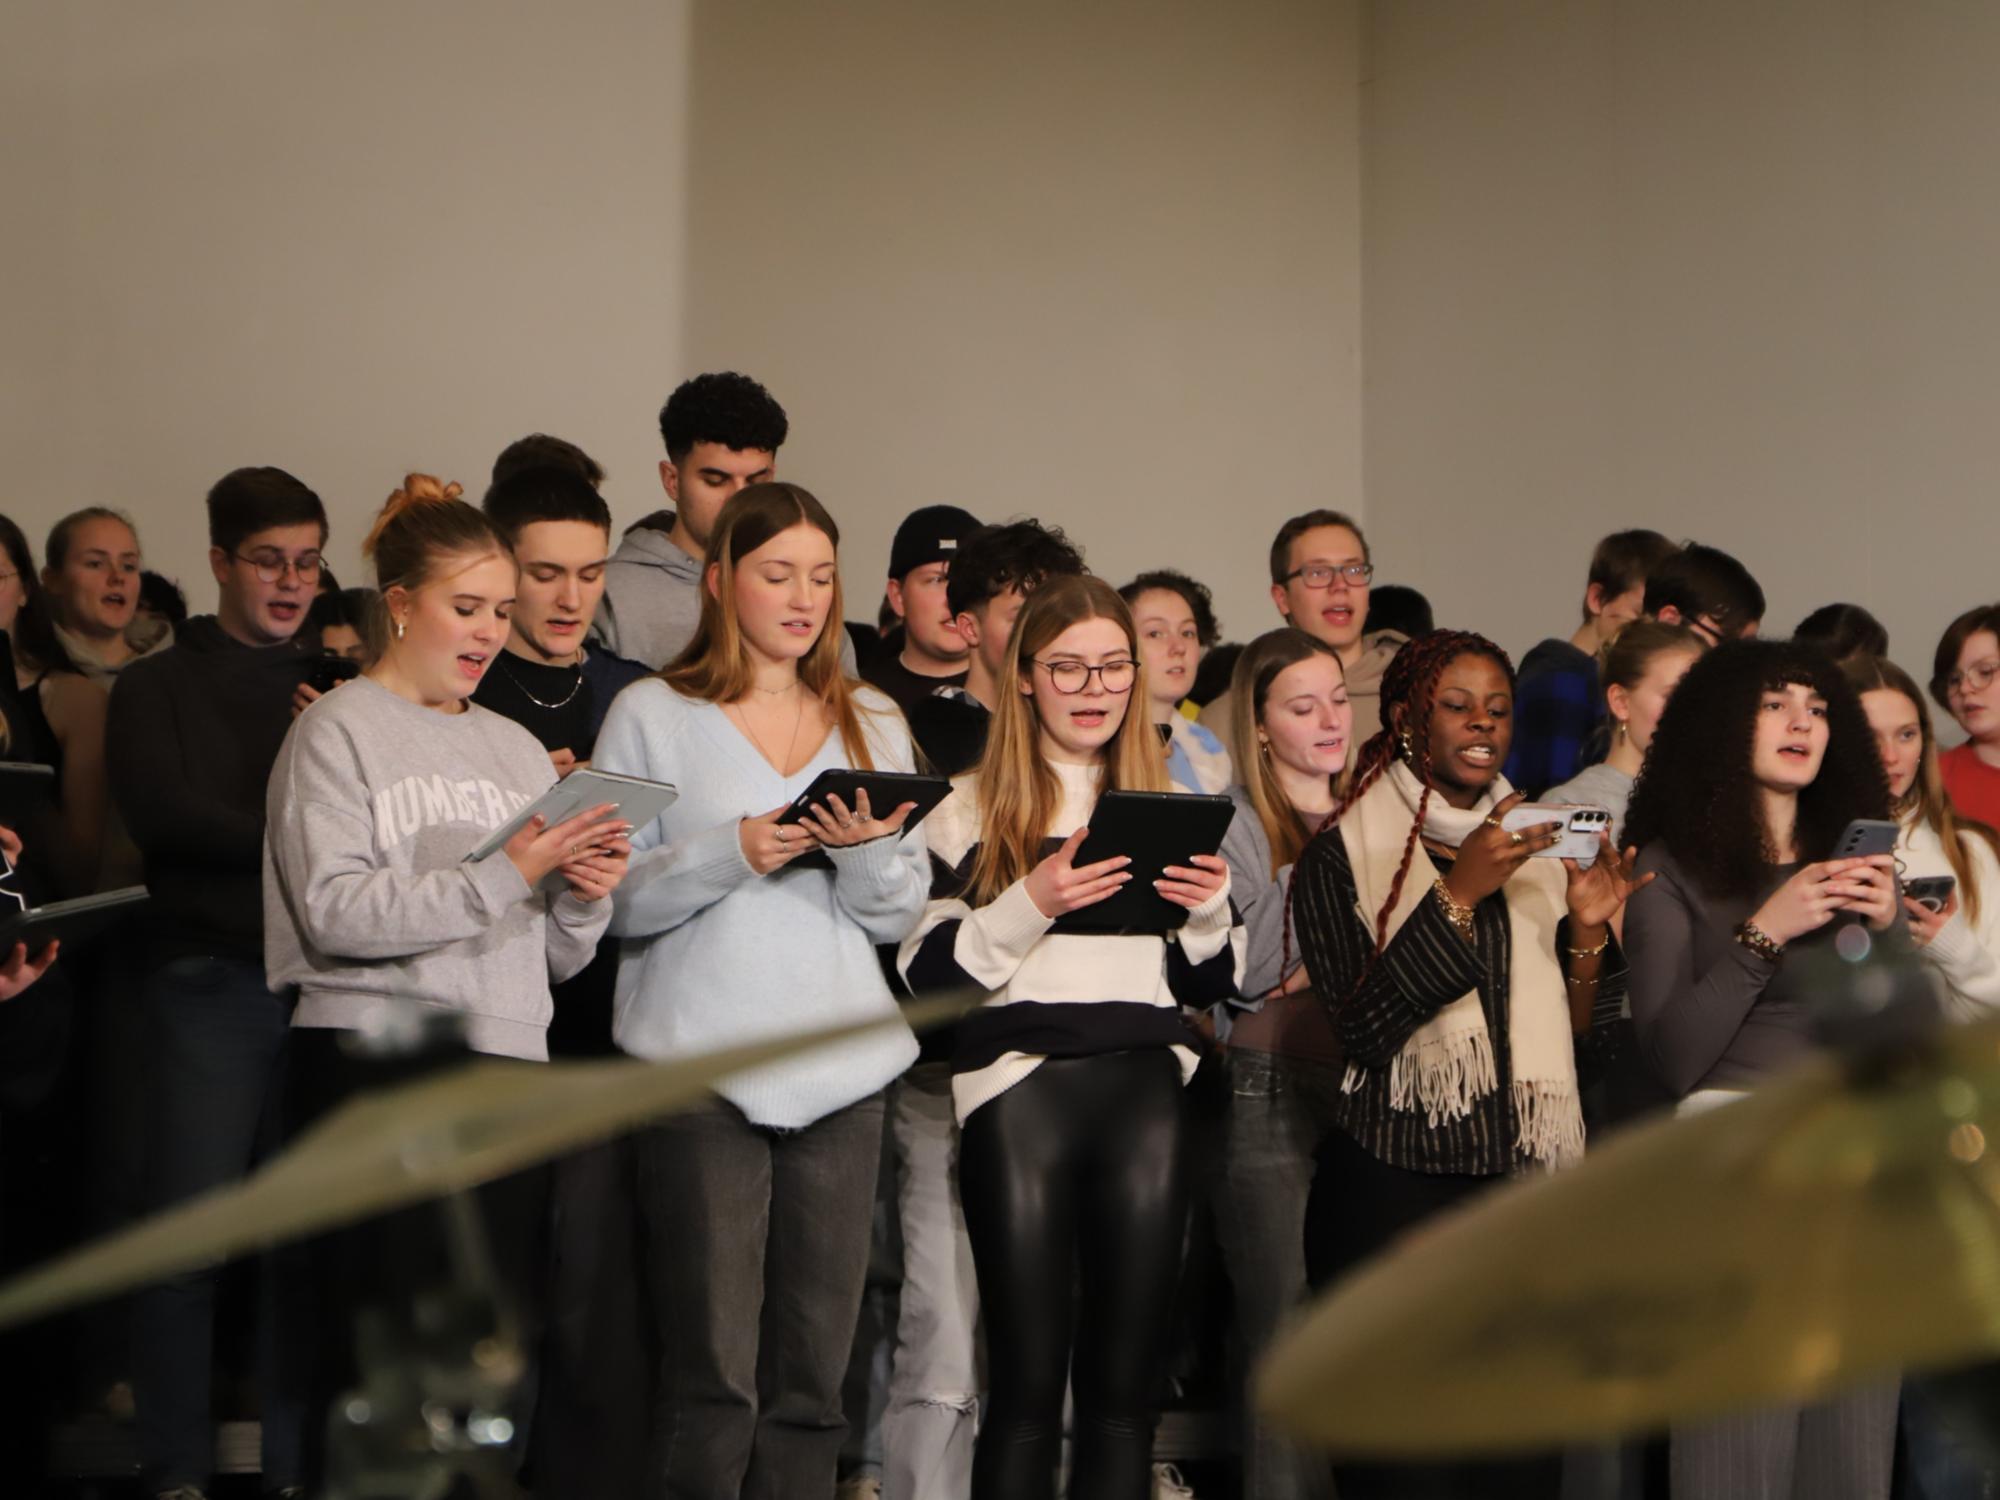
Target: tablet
column 1155, row 829
column 887, row 791
column 68, row 921
column 638, row 801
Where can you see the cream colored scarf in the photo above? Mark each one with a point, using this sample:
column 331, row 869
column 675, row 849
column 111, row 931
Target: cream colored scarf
column 1449, row 1061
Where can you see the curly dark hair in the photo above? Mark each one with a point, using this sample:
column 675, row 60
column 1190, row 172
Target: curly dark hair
column 994, row 559
column 724, row 408
column 1207, row 629
column 1410, row 683
column 1696, row 793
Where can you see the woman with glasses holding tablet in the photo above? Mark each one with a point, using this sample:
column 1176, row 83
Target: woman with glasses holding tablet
column 1067, row 1081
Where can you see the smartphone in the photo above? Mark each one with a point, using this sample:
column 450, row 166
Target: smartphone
column 325, row 673
column 1930, row 891
column 1864, row 837
column 1581, row 826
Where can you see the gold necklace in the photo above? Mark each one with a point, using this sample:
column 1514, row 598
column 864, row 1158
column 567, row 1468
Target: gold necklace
column 798, row 718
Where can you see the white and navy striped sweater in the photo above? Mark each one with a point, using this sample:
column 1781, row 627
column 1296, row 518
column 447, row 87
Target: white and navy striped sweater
column 1052, row 993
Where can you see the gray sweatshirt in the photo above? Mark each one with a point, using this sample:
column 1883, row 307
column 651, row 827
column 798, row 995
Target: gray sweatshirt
column 652, row 595
column 373, row 804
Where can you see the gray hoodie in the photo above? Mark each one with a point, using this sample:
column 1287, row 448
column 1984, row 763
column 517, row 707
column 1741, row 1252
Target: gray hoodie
column 373, row 804
column 652, row 595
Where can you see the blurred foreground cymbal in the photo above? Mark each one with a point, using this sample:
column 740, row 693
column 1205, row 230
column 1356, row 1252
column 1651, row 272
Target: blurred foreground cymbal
column 386, row 1148
column 1808, row 1237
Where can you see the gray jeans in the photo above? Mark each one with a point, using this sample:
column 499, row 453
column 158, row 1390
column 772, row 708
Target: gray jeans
column 1837, row 1450
column 934, row 1385
column 756, row 1249
column 1276, row 1111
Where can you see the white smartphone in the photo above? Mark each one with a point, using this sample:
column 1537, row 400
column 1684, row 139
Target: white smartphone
column 1581, row 822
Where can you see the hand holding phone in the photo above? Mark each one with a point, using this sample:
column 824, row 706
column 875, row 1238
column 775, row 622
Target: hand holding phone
column 1930, row 901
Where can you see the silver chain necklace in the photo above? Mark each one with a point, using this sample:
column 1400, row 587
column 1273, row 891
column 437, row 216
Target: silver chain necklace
column 575, row 688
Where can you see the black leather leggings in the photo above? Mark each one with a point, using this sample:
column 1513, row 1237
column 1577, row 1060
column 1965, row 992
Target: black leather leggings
column 1075, row 1199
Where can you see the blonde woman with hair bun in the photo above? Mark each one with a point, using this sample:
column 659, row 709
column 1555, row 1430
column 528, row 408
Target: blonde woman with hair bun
column 380, row 792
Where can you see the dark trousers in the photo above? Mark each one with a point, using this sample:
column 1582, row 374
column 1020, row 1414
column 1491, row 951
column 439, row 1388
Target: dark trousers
column 1359, row 1206
column 756, row 1250
column 589, row 1440
column 388, row 1262
column 1076, row 1175
column 215, row 1044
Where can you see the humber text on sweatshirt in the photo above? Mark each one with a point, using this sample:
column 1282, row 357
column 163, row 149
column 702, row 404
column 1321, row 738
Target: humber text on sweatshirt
column 373, row 804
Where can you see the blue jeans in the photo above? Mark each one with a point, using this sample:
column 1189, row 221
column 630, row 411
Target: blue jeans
column 216, row 1045
column 934, row 1388
column 1275, row 1111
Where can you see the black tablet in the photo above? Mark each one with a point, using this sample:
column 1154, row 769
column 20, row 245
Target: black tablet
column 887, row 791
column 68, row 921
column 1154, row 829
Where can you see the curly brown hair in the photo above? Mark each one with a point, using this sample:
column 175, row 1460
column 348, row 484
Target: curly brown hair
column 1697, row 794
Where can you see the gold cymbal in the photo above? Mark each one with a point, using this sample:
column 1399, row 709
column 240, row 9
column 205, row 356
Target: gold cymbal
column 1812, row 1235
column 387, row 1148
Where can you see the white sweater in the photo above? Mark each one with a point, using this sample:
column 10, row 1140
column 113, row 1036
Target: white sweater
column 1078, row 983
column 1966, row 956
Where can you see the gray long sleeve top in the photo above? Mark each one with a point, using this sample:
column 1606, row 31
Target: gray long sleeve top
column 1709, row 1012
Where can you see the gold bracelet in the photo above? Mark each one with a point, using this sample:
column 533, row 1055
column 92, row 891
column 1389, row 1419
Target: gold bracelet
column 1591, row 952
column 1456, row 911
column 1759, row 942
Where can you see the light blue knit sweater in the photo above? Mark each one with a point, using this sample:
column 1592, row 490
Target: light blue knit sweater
column 712, row 955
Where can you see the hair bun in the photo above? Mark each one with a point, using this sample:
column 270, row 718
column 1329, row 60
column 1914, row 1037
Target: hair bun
column 417, row 489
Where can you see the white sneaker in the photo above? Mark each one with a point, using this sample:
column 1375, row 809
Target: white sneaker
column 859, row 1487
column 1168, row 1484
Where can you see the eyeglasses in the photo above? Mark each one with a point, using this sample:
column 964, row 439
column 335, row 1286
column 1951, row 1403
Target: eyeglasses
column 272, row 566
column 1070, row 677
column 1321, row 575
column 1971, row 679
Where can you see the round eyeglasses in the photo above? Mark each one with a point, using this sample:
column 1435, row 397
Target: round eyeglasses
column 1071, row 677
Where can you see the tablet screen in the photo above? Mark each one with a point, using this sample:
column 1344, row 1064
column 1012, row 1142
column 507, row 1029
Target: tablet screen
column 1154, row 829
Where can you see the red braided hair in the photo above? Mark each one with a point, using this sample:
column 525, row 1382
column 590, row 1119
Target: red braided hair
column 1410, row 683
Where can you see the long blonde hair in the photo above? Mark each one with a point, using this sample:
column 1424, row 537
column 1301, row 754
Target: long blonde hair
column 1249, row 681
column 1018, row 793
column 715, row 666
column 1872, row 674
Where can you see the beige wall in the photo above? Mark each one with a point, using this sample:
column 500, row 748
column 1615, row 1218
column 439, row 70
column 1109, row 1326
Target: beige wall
column 1097, row 264
column 346, row 239
column 1722, row 268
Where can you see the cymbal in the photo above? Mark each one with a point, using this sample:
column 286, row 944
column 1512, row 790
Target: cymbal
column 1815, row 1234
column 390, row 1147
